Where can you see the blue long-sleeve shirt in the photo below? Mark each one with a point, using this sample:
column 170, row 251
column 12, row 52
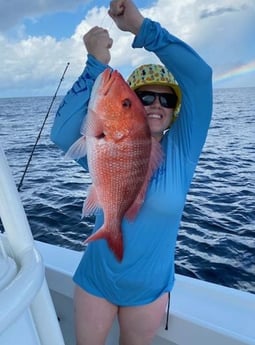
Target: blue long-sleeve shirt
column 147, row 269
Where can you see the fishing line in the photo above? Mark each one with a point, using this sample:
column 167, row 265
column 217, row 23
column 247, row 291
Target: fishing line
column 106, row 15
column 45, row 119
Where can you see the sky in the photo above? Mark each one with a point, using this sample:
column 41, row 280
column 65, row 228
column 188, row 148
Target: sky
column 38, row 38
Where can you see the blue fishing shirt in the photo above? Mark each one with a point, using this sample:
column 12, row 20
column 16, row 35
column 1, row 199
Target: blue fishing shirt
column 147, row 268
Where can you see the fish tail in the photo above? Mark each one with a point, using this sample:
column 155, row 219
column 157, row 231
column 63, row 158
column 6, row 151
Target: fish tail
column 114, row 240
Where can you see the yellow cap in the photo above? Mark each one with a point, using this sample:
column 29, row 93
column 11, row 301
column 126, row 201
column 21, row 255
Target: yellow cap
column 153, row 74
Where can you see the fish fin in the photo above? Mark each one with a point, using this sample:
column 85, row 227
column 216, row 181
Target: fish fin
column 136, row 205
column 90, row 205
column 114, row 240
column 93, row 125
column 156, row 158
column 78, row 149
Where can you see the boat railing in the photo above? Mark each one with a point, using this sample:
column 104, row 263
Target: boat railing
column 25, row 300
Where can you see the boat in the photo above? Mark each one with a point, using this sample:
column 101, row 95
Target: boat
column 36, row 292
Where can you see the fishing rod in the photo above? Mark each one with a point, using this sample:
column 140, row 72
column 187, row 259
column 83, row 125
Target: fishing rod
column 39, row 135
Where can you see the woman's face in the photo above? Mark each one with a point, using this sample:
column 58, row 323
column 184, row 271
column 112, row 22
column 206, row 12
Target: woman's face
column 159, row 117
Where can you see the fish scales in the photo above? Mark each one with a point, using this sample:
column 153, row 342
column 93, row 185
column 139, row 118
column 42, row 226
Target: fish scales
column 121, row 154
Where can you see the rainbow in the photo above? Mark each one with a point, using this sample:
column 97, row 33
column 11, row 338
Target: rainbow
column 235, row 72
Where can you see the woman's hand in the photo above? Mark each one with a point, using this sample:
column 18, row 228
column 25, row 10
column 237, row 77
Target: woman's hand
column 98, row 43
column 126, row 15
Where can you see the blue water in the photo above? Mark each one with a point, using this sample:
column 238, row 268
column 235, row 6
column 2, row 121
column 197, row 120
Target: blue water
column 216, row 237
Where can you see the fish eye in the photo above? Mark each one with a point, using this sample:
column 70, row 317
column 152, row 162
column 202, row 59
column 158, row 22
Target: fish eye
column 126, row 103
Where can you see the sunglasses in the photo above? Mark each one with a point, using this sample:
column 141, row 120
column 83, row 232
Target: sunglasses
column 167, row 100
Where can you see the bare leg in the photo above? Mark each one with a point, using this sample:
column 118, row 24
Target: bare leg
column 138, row 325
column 93, row 318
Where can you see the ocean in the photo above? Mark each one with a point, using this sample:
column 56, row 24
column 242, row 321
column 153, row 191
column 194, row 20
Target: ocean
column 216, row 239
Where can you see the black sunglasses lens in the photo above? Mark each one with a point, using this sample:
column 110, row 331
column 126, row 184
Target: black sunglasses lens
column 147, row 99
column 164, row 101
column 167, row 100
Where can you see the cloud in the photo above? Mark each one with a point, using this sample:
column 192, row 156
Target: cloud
column 223, row 34
column 220, row 10
column 14, row 11
column 34, row 65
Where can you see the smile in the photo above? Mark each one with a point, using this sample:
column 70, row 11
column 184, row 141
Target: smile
column 155, row 116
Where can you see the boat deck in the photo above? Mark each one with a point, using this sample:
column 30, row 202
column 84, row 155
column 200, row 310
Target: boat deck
column 200, row 313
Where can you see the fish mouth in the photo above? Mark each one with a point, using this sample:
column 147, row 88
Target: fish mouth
column 108, row 79
column 101, row 87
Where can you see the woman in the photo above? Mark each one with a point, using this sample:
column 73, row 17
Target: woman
column 136, row 290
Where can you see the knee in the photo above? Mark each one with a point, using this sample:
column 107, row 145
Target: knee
column 139, row 334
